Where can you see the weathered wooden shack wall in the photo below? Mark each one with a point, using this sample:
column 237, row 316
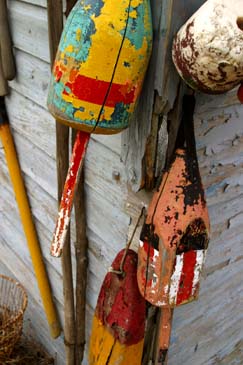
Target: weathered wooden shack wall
column 34, row 133
column 206, row 332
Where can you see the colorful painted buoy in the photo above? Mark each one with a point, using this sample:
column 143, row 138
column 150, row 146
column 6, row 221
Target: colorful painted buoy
column 119, row 322
column 100, row 64
column 207, row 50
column 97, row 77
column 174, row 238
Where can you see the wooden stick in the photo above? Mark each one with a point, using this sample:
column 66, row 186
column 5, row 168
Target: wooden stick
column 81, row 248
column 6, row 43
column 64, row 216
column 165, row 316
column 55, row 25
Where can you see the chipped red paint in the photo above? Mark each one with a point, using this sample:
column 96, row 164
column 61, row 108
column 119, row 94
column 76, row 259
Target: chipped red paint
column 187, row 276
column 120, row 306
column 207, row 53
column 94, row 91
column 174, row 238
column 62, row 224
column 57, row 72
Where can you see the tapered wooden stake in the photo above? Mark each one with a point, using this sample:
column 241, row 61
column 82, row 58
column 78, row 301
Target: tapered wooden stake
column 81, row 247
column 55, row 25
column 163, row 336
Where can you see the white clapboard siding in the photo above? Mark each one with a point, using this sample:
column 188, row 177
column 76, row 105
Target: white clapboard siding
column 32, row 78
column 42, row 3
column 29, row 28
column 45, row 211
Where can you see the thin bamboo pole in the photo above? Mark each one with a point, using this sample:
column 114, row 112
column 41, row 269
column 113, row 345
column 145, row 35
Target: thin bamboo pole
column 55, row 25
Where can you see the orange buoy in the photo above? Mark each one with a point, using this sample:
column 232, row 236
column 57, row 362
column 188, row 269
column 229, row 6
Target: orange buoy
column 174, row 239
column 175, row 236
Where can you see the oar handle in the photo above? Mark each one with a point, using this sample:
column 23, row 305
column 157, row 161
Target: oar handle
column 72, row 178
column 6, row 43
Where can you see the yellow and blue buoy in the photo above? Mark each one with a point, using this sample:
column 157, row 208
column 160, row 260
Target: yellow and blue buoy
column 100, row 64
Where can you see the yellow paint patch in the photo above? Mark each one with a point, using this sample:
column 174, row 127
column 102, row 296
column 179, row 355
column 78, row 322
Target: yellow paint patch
column 135, row 3
column 133, row 14
column 87, row 7
column 106, row 42
column 105, row 350
column 91, row 111
column 69, row 48
column 78, row 35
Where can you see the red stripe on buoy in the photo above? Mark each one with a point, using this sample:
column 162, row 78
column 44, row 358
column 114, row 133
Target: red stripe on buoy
column 94, row 91
column 187, row 275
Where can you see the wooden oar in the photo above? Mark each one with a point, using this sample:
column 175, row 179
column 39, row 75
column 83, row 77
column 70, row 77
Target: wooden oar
column 119, row 321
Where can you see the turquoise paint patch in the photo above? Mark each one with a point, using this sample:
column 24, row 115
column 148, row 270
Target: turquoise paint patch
column 80, row 20
column 136, row 32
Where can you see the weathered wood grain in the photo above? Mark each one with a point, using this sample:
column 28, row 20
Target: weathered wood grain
column 35, row 2
column 29, row 29
column 159, row 91
column 32, row 79
column 44, row 210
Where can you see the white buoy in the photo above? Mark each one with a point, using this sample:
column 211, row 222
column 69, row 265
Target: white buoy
column 208, row 49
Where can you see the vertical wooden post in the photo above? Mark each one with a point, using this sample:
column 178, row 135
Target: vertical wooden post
column 81, row 247
column 55, row 24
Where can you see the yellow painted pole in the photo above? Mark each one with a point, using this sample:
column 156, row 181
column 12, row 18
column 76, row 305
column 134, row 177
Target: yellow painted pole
column 28, row 226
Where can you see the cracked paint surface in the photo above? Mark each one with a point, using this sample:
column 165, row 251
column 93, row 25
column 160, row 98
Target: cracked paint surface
column 119, row 321
column 100, row 65
column 66, row 203
column 207, row 49
column 174, row 238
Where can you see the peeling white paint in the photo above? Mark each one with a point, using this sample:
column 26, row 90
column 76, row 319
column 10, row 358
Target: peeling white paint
column 207, row 51
column 175, row 278
column 198, row 269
